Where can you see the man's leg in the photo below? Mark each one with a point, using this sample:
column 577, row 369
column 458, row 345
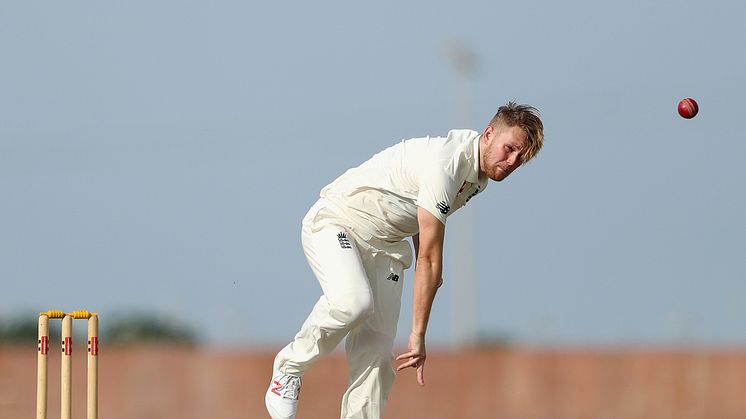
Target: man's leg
column 369, row 345
column 347, row 300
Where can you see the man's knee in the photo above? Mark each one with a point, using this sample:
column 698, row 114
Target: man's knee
column 352, row 308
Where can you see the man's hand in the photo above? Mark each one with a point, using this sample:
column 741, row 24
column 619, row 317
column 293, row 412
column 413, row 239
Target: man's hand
column 415, row 357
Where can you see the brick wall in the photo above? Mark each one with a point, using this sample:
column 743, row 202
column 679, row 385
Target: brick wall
column 147, row 382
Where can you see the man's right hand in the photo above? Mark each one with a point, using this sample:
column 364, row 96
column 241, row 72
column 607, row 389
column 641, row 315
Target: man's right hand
column 415, row 357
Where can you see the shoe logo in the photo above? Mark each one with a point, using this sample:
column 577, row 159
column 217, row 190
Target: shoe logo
column 344, row 242
column 277, row 388
column 286, row 386
column 443, row 207
column 393, row 277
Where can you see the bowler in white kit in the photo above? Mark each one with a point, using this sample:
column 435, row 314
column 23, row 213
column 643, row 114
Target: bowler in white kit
column 354, row 238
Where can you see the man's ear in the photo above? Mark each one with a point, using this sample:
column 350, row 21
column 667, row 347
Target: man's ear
column 489, row 134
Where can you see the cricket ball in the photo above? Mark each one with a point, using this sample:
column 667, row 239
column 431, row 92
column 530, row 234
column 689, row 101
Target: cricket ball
column 688, row 108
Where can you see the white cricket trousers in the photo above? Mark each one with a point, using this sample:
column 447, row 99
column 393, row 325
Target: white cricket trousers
column 362, row 287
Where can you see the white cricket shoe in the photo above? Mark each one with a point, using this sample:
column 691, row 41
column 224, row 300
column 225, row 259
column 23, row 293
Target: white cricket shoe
column 282, row 395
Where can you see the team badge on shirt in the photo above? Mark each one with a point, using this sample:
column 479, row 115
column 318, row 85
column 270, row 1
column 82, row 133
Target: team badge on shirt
column 344, row 242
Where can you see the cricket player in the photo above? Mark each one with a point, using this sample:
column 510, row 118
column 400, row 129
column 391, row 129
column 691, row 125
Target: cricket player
column 354, row 238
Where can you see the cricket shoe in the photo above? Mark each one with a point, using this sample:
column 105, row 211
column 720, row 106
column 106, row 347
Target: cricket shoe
column 282, row 395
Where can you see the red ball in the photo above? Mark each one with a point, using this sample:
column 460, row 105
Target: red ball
column 688, row 108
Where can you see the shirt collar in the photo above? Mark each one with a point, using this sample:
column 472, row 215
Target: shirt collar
column 473, row 176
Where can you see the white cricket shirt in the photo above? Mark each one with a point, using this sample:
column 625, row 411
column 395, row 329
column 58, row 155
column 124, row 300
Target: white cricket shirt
column 380, row 197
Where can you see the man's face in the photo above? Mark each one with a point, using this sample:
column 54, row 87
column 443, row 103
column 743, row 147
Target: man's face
column 500, row 151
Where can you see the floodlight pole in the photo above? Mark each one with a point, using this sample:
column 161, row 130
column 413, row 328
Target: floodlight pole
column 461, row 278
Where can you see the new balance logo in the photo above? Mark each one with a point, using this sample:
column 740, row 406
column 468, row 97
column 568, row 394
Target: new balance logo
column 276, row 389
column 344, row 242
column 443, row 207
column 393, row 277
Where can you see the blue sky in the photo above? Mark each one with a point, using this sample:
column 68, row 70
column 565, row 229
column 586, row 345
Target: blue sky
column 159, row 156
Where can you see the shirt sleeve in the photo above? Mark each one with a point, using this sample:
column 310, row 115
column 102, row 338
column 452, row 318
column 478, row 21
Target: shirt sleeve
column 438, row 187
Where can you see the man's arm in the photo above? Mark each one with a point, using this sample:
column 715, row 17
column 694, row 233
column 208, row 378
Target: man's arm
column 427, row 278
column 416, row 243
column 428, row 268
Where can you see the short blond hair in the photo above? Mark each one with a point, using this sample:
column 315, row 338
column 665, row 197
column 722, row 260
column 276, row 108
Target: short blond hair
column 527, row 118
